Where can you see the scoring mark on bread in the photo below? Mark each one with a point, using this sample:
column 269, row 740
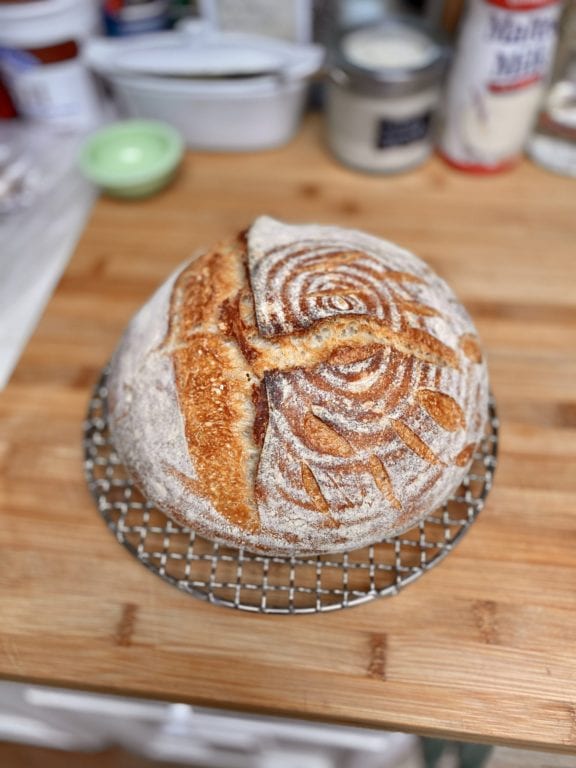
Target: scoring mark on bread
column 328, row 339
column 402, row 277
column 416, row 308
column 322, row 438
column 470, row 346
column 234, row 509
column 442, row 408
column 214, row 386
column 330, row 261
column 346, row 355
column 312, row 488
column 383, row 482
column 427, row 347
column 415, row 443
column 465, row 455
column 314, row 491
column 261, row 412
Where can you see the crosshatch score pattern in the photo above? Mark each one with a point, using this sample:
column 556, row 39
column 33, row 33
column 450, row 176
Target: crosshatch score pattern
column 281, row 585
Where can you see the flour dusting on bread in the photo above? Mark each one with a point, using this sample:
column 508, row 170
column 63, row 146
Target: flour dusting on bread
column 299, row 390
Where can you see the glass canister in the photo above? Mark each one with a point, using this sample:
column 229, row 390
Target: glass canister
column 383, row 87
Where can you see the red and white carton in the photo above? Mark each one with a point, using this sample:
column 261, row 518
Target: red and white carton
column 498, row 76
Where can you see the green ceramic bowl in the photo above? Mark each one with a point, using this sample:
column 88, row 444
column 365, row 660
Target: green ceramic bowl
column 132, row 158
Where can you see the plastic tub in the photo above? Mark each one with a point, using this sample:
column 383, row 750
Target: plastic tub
column 242, row 115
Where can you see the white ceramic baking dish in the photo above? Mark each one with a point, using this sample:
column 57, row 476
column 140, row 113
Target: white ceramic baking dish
column 222, row 91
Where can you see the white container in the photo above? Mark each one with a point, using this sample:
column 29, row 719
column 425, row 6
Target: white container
column 252, row 100
column 41, row 62
column 382, row 93
column 497, row 82
column 227, row 116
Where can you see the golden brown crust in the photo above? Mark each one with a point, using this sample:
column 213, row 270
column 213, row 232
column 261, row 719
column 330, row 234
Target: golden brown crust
column 443, row 409
column 199, row 293
column 427, row 347
column 346, row 355
column 403, row 277
column 465, row 455
column 470, row 345
column 300, row 349
column 333, row 260
column 211, row 391
column 416, row 308
column 328, row 389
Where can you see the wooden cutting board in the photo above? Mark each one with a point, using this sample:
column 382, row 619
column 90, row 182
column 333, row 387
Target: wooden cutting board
column 482, row 647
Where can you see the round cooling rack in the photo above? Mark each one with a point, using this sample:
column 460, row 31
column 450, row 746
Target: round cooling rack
column 239, row 579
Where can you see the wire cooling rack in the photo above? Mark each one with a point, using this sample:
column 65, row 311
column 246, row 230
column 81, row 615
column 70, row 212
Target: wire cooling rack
column 239, row 579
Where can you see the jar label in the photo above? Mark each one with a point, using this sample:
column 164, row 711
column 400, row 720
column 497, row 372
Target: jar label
column 396, row 133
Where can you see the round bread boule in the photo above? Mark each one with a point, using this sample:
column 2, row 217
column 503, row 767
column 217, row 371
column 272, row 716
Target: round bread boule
column 299, row 390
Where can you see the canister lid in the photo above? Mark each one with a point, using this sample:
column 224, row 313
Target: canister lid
column 397, row 57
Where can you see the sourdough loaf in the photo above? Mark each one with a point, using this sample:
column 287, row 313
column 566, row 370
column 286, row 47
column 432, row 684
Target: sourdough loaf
column 299, row 390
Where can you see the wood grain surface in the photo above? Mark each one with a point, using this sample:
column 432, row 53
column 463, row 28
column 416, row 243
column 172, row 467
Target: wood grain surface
column 480, row 648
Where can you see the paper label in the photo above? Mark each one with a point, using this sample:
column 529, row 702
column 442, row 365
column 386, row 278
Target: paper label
column 503, row 57
column 60, row 92
column 395, row 133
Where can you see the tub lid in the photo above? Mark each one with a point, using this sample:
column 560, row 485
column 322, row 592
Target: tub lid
column 213, row 55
